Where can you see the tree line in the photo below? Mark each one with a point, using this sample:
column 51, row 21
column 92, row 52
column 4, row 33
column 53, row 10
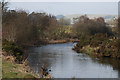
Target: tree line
column 85, row 26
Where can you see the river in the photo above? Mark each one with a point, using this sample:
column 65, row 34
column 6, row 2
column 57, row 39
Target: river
column 66, row 63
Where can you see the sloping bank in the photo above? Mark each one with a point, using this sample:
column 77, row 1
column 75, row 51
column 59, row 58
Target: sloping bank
column 14, row 64
column 99, row 45
column 10, row 69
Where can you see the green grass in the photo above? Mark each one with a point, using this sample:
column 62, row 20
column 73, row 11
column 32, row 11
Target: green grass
column 11, row 70
column 29, row 76
column 89, row 50
column 10, row 75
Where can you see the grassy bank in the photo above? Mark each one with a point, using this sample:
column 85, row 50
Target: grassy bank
column 10, row 69
column 99, row 45
column 13, row 61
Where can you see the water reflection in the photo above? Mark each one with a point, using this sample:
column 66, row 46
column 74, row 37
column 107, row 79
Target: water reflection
column 66, row 63
column 115, row 63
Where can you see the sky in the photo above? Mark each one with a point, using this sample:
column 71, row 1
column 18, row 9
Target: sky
column 66, row 8
column 64, row 0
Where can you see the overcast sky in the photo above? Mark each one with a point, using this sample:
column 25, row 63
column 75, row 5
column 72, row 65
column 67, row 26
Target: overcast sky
column 64, row 0
column 66, row 8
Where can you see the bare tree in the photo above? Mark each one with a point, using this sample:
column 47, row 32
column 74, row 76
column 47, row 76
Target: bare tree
column 4, row 6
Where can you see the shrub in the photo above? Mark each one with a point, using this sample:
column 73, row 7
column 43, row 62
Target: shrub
column 108, row 46
column 12, row 49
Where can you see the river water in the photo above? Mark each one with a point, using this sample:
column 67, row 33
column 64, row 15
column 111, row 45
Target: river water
column 66, row 63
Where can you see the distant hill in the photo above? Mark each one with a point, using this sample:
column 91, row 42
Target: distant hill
column 92, row 16
column 59, row 16
column 108, row 18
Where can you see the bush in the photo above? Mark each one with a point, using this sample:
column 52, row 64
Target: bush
column 102, row 44
column 12, row 49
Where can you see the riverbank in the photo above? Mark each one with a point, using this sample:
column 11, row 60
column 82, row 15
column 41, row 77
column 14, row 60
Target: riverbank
column 10, row 69
column 46, row 42
column 62, row 41
column 13, row 56
column 99, row 45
